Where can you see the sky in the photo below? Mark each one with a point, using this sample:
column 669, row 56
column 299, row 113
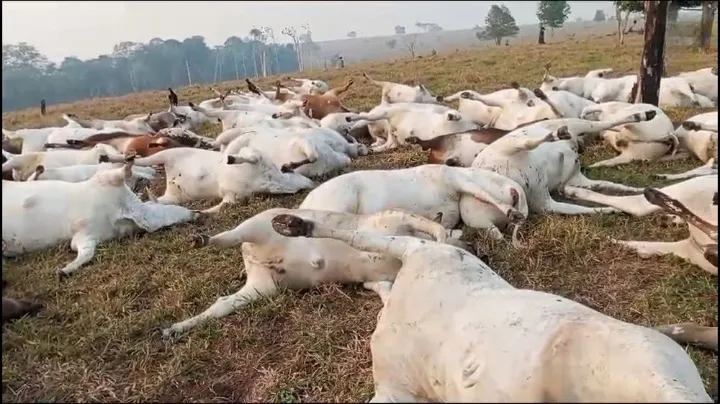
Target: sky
column 87, row 29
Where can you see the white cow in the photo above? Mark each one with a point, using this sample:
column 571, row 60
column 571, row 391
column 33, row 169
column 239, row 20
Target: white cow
column 408, row 121
column 568, row 104
column 481, row 198
column 649, row 140
column 703, row 82
column 41, row 214
column 307, row 155
column 695, row 193
column 699, row 135
column 24, row 165
column 543, row 157
column 273, row 262
column 196, row 174
column 35, row 139
column 308, row 86
column 452, row 330
column 83, row 172
column 518, row 109
column 395, row 92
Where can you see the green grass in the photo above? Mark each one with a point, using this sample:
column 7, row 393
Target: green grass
column 96, row 340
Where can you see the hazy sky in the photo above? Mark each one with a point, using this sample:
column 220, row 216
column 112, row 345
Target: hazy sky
column 87, row 29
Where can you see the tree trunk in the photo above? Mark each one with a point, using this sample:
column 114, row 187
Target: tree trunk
column 618, row 18
column 624, row 27
column 706, row 23
column 254, row 59
column 651, row 66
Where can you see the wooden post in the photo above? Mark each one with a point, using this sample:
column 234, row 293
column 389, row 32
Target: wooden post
column 706, row 23
column 651, row 64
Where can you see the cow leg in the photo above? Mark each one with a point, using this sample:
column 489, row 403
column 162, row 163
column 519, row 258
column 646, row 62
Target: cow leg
column 675, row 157
column 553, row 206
column 259, row 284
column 473, row 185
column 167, row 199
column 228, row 199
column 581, row 181
column 683, row 249
column 478, row 215
column 390, row 143
column 706, row 169
column 635, row 205
column 85, row 247
column 382, row 288
column 623, row 158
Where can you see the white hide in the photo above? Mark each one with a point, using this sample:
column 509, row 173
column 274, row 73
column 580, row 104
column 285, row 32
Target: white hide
column 306, row 155
column 646, row 140
column 41, row 214
column 394, row 93
column 482, row 199
column 407, row 120
column 197, row 174
column 695, row 193
column 83, row 172
column 273, row 262
column 543, row 157
column 452, row 330
column 23, row 165
column 703, row 82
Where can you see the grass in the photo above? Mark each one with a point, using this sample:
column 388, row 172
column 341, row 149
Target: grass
column 95, row 340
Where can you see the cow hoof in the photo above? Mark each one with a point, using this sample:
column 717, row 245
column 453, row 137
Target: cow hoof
column 199, row 240
column 514, row 216
column 563, row 133
column 286, row 169
column 61, row 275
column 167, row 332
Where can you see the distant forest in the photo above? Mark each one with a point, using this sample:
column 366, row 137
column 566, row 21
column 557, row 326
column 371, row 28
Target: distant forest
column 28, row 76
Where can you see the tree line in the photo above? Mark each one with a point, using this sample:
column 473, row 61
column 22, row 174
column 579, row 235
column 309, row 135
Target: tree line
column 28, row 76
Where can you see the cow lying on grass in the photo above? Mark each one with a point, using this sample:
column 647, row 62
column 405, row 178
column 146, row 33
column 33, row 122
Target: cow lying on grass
column 41, row 214
column 699, row 136
column 24, row 165
column 481, row 198
column 543, row 157
column 452, row 330
column 273, row 262
column 196, row 174
column 695, row 193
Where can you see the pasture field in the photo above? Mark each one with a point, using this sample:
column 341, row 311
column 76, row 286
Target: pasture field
column 97, row 338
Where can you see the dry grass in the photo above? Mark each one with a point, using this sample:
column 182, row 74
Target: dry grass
column 95, row 339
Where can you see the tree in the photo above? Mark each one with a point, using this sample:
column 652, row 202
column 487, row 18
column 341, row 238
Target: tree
column 292, row 33
column 270, row 33
column 391, row 43
column 308, row 43
column 428, row 26
column 599, row 15
column 399, row 30
column 410, row 43
column 623, row 9
column 352, row 34
column 553, row 13
column 709, row 8
column 257, row 42
column 647, row 88
column 500, row 23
